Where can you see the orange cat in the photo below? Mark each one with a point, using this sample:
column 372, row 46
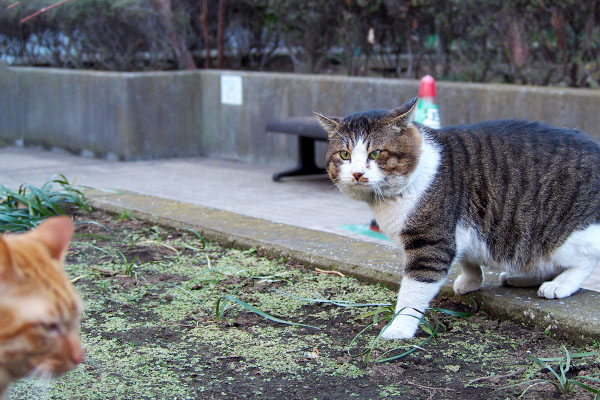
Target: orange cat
column 39, row 308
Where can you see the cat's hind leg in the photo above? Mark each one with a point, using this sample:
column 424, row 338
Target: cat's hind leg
column 577, row 257
column 520, row 280
column 470, row 279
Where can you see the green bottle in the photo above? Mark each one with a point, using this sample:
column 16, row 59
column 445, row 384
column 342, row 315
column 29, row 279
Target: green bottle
column 428, row 112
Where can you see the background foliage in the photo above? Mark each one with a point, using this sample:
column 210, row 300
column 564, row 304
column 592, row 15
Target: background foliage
column 547, row 42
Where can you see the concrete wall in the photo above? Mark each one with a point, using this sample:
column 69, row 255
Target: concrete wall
column 167, row 114
column 128, row 116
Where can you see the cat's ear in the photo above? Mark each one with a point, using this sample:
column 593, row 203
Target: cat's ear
column 330, row 124
column 8, row 272
column 56, row 234
column 402, row 114
column 5, row 259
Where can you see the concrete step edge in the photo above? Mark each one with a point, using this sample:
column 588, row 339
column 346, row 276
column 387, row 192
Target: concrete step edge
column 574, row 318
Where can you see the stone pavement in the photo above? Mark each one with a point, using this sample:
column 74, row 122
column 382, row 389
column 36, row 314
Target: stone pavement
column 312, row 203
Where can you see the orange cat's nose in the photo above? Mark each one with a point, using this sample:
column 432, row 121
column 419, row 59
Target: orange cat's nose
column 78, row 356
column 75, row 350
column 357, row 175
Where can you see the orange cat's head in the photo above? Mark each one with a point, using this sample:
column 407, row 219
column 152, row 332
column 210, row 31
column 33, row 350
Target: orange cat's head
column 39, row 308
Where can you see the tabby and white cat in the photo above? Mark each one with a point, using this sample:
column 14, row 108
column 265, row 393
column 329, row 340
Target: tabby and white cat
column 39, row 308
column 521, row 197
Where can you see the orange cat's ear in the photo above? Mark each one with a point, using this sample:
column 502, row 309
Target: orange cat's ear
column 5, row 259
column 56, row 234
column 8, row 273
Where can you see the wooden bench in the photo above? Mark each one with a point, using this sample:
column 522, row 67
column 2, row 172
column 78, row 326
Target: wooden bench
column 308, row 130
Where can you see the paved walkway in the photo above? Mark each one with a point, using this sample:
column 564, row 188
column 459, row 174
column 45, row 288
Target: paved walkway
column 312, row 203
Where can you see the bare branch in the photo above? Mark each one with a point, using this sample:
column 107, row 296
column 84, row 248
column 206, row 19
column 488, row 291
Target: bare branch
column 41, row 10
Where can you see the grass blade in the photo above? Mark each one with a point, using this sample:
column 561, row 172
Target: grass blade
column 452, row 313
column 262, row 313
column 584, row 386
column 540, row 382
column 544, row 365
column 27, row 206
column 564, row 368
column 340, row 303
column 589, row 378
column 573, row 355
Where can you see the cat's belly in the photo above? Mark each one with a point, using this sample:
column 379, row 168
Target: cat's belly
column 470, row 248
column 581, row 247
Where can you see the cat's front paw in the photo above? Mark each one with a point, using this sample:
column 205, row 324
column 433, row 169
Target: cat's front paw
column 551, row 290
column 398, row 330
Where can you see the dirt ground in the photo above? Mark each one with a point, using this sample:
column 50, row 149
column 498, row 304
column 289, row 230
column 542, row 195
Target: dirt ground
column 158, row 325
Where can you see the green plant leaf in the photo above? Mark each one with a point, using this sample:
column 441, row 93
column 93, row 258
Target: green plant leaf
column 27, row 206
column 458, row 314
column 584, row 386
column 573, row 355
column 544, row 365
column 340, row 303
column 262, row 313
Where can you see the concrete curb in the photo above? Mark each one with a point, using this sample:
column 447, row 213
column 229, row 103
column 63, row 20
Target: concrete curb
column 574, row 318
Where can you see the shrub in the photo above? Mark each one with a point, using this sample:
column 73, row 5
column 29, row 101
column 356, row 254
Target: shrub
column 546, row 42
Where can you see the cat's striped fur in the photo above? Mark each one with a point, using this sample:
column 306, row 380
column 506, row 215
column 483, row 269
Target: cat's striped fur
column 39, row 308
column 519, row 196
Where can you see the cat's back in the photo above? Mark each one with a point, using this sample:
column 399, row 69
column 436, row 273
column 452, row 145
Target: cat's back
column 521, row 138
column 530, row 151
column 522, row 184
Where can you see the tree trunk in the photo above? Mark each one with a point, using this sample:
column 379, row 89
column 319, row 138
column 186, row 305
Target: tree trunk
column 184, row 57
column 205, row 33
column 220, row 33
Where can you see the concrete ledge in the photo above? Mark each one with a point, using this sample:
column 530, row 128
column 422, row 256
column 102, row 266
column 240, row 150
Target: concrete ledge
column 575, row 318
column 148, row 115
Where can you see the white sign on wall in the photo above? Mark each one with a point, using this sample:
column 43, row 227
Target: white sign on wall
column 231, row 89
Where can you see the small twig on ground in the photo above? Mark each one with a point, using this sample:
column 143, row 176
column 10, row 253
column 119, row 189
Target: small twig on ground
column 430, row 387
column 326, row 272
column 179, row 324
column 76, row 279
column 104, row 271
column 155, row 243
column 13, row 5
column 497, row 377
column 43, row 10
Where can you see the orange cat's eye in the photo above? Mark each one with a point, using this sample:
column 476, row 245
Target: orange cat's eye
column 345, row 155
column 375, row 154
column 50, row 326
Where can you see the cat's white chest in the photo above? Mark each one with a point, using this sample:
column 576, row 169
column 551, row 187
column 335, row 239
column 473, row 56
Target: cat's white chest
column 392, row 214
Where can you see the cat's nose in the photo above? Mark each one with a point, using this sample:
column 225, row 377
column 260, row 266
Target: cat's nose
column 357, row 175
column 75, row 350
column 78, row 356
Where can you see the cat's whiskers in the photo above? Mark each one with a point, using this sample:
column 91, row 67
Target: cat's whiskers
column 42, row 372
column 378, row 189
column 378, row 192
column 43, row 379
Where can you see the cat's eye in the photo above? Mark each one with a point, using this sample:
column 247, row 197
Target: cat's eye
column 50, row 327
column 345, row 155
column 375, row 154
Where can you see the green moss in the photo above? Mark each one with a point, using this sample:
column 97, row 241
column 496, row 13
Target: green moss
column 157, row 337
